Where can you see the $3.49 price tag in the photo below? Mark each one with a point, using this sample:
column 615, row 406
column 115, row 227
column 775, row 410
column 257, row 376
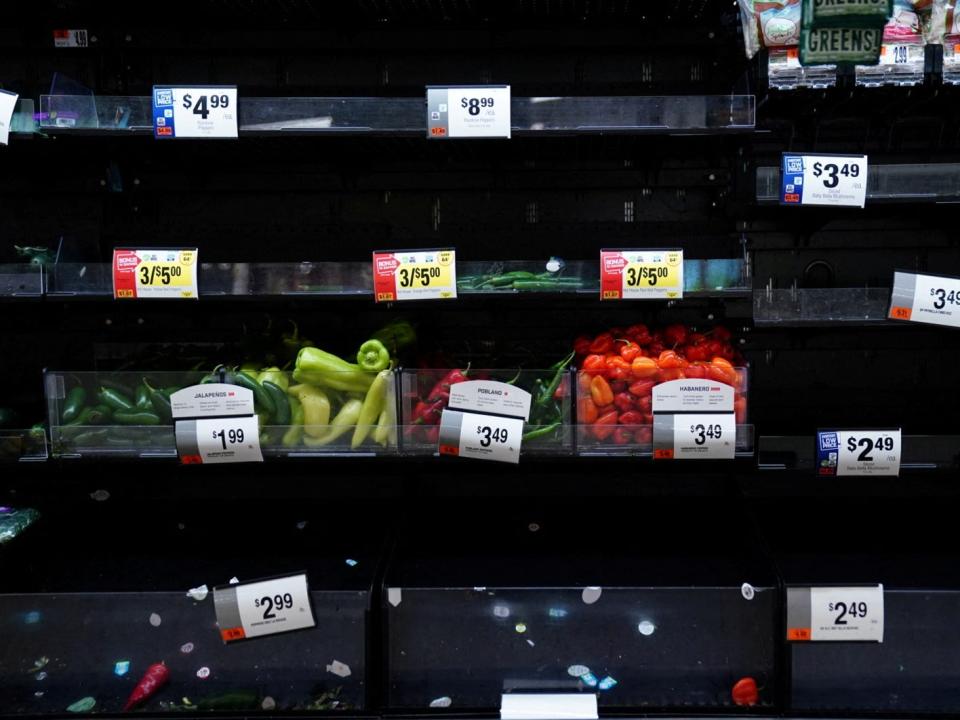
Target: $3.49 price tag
column 158, row 273
column 195, row 112
column 838, row 180
column 415, row 275
column 858, row 452
column 694, row 436
column 641, row 274
column 265, row 607
column 484, row 437
column 925, row 298
column 835, row 614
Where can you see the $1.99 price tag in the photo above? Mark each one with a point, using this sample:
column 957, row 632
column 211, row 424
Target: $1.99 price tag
column 837, row 180
column 859, row 452
column 641, row 274
column 835, row 614
column 207, row 441
column 158, row 273
column 195, row 112
column 265, row 607
column 415, row 275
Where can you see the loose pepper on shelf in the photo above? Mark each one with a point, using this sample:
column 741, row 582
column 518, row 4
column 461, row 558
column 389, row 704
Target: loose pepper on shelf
column 153, row 679
column 373, row 356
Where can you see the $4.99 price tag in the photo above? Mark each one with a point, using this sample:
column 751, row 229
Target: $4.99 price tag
column 265, row 607
column 484, row 437
column 159, row 273
column 838, row 180
column 858, row 452
column 641, row 274
column 415, row 275
column 835, row 614
column 925, row 298
column 195, row 112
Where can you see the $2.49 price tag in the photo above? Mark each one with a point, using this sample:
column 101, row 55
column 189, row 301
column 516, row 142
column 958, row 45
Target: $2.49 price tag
column 835, row 614
column 859, row 452
column 415, row 275
column 264, row 607
column 195, row 112
column 925, row 298
column 641, row 274
column 837, row 180
column 158, row 273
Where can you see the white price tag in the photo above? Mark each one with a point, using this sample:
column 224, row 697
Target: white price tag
column 212, row 400
column 484, row 437
column 548, row 706
column 704, row 437
column 837, row 180
column 195, row 112
column 71, row 38
column 227, row 440
column 8, row 101
column 266, row 607
column 415, row 275
column 902, row 54
column 859, row 452
column 925, row 298
column 481, row 111
column 846, row 613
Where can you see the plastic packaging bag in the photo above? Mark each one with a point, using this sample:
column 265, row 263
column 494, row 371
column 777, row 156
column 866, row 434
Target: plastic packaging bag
column 769, row 23
column 13, row 522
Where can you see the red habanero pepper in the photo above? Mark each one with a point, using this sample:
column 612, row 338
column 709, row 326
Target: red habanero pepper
column 696, row 371
column 583, row 382
column 721, row 333
column 645, row 435
column 643, row 367
column 670, row 359
column 600, row 391
column 602, row 344
column 153, row 679
column 645, row 404
column 617, row 368
column 594, row 364
column 675, row 334
column 604, row 426
column 642, row 388
column 674, row 373
column 581, row 346
column 587, row 411
column 745, row 692
column 630, row 350
column 622, row 436
column 639, row 333
column 631, row 418
column 623, row 401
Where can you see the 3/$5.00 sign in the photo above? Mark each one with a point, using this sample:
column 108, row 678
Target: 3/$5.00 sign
column 414, row 275
column 157, row 273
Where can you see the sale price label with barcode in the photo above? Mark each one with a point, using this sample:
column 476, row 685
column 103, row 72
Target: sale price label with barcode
column 159, row 273
column 835, row 614
column 265, row 607
column 835, row 180
column 641, row 274
column 415, row 275
column 859, row 452
column 480, row 436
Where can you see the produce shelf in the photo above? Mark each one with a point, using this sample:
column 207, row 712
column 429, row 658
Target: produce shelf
column 908, row 182
column 918, row 453
column 21, row 280
column 784, row 71
column 702, row 278
column 23, row 445
column 407, row 116
column 818, row 306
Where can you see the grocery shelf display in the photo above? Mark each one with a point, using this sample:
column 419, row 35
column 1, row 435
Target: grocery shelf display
column 554, row 359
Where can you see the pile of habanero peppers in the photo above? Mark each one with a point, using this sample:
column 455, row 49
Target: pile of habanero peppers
column 619, row 368
column 548, row 389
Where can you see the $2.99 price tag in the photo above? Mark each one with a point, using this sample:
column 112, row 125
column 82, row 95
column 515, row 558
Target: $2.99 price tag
column 265, row 607
column 195, row 112
column 158, row 273
column 859, row 452
column 415, row 275
column 925, row 298
column 837, row 180
column 835, row 614
column 641, row 274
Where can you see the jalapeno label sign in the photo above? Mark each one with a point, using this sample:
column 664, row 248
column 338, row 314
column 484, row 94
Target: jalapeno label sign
column 415, row 275
column 859, row 452
column 468, row 111
column 263, row 607
column 194, row 112
column 925, row 299
column 837, row 180
column 164, row 273
column 641, row 274
column 835, row 614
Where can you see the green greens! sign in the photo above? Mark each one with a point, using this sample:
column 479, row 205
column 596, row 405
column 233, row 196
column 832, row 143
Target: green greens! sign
column 821, row 46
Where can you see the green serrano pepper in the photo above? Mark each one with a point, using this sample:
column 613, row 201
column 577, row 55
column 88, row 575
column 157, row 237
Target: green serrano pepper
column 541, row 432
column 546, row 285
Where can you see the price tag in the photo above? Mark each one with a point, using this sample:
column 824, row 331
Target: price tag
column 703, row 436
column 159, row 273
column 264, row 607
column 484, row 437
column 218, row 400
column 835, row 614
column 8, row 101
column 691, row 395
column 925, row 298
column 858, row 452
column 641, row 274
column 71, row 38
column 195, row 112
column 415, row 275
column 468, row 111
column 210, row 441
column 548, row 706
column 837, row 180
column 901, row 54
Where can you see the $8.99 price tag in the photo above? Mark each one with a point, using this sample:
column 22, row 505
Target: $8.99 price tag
column 859, row 452
column 157, row 273
column 837, row 180
column 835, row 614
column 265, row 607
column 641, row 274
column 415, row 275
column 195, row 112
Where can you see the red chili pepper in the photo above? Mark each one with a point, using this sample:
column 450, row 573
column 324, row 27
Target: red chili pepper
column 594, row 364
column 645, row 404
column 642, row 388
column 617, row 368
column 631, row 418
column 618, row 386
column 643, row 367
column 583, row 382
column 602, row 344
column 644, row 435
column 668, row 374
column 696, row 371
column 622, row 436
column 670, row 359
column 675, row 334
column 586, row 411
column 630, row 350
column 443, row 385
column 431, row 416
column 581, row 346
column 153, row 679
column 623, row 401
column 745, row 692
column 433, row 435
column 696, row 353
column 604, row 426
column 721, row 333
column 639, row 333
column 600, row 391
